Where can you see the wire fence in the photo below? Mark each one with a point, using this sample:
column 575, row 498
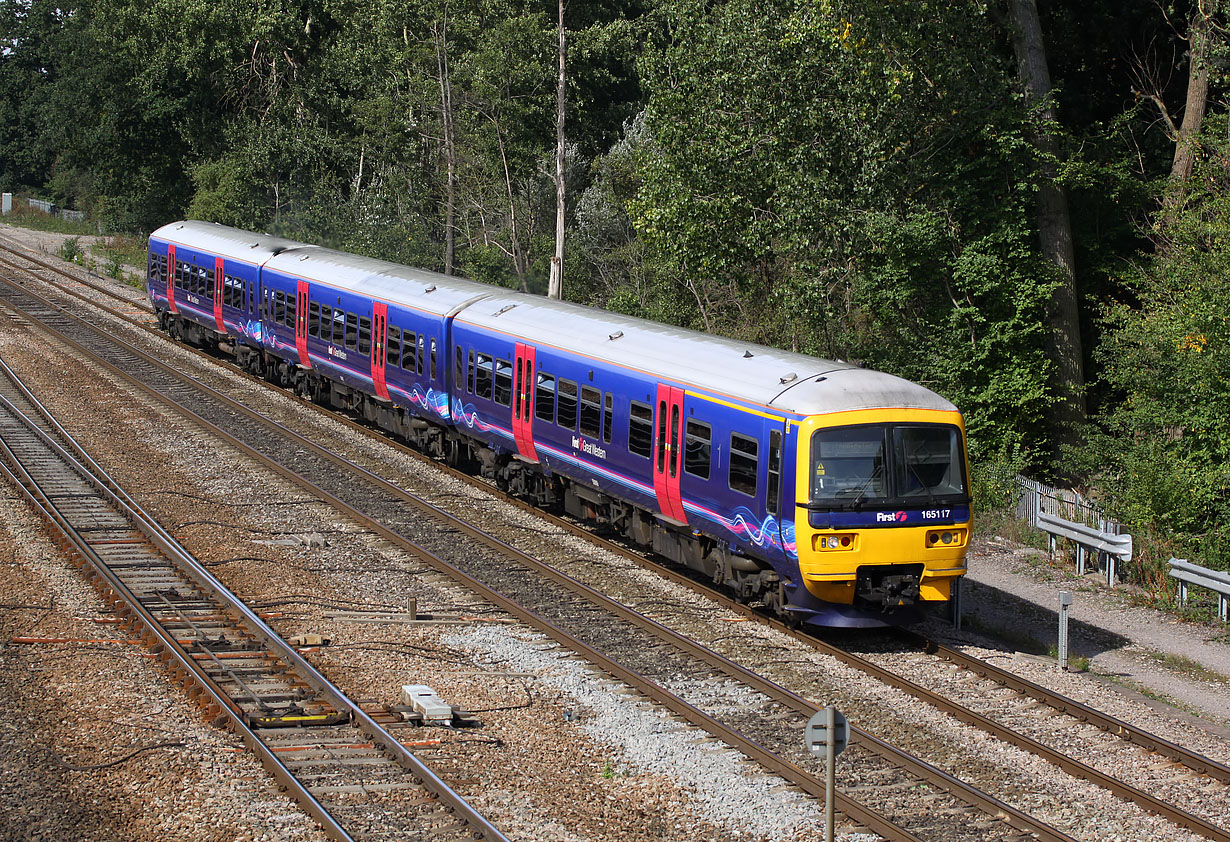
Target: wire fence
column 1038, row 497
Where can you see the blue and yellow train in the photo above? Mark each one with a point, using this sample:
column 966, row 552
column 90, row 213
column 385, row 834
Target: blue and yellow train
column 831, row 494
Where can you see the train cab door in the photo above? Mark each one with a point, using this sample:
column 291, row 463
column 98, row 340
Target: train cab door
column 668, row 452
column 523, row 401
column 301, row 324
column 380, row 332
column 218, row 296
column 171, row 305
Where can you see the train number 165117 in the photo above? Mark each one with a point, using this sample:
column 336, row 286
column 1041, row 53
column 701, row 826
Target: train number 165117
column 936, row 514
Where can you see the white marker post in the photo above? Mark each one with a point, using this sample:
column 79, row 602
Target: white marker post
column 828, row 732
column 1065, row 600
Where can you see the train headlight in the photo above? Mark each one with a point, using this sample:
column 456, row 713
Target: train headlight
column 829, row 543
column 946, row 538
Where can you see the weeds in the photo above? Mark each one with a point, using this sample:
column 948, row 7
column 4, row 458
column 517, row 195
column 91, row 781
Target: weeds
column 70, row 249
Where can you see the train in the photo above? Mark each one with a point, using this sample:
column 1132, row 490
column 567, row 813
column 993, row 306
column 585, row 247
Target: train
column 827, row 493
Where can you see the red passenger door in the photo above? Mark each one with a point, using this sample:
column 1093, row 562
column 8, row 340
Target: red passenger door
column 218, row 295
column 301, row 324
column 523, row 401
column 171, row 305
column 380, row 323
column 668, row 452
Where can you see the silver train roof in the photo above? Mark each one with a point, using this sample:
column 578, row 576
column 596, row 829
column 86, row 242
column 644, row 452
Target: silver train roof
column 785, row 381
column 210, row 236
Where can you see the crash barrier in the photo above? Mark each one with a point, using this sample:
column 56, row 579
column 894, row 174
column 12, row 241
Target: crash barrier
column 1193, row 574
column 1107, row 547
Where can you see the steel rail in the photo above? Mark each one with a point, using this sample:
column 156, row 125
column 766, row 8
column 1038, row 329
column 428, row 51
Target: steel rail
column 1075, row 709
column 1057, row 701
column 988, row 804
column 140, row 520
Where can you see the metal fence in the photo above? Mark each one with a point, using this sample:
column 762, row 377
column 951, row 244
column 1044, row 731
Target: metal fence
column 1066, row 514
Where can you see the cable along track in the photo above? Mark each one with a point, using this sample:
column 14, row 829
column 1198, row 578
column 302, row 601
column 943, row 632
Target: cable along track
column 902, row 797
column 1083, row 713
column 354, row 778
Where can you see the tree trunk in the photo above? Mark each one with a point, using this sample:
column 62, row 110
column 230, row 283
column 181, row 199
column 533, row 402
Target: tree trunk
column 1193, row 111
column 1054, row 227
column 555, row 288
column 450, row 147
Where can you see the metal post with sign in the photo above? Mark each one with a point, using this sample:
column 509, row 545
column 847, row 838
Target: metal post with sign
column 828, row 733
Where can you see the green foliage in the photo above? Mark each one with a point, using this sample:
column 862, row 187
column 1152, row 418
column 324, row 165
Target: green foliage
column 70, row 249
column 1161, row 449
column 813, row 183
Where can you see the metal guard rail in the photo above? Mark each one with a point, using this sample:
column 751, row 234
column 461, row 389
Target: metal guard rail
column 1105, row 544
column 1193, row 574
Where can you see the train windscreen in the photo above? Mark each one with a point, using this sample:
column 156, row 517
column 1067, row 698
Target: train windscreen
column 872, row 464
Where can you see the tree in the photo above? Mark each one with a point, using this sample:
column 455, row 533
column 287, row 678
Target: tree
column 1054, row 225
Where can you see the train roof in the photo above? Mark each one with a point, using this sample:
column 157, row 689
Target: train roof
column 786, row 381
column 438, row 294
column 221, row 239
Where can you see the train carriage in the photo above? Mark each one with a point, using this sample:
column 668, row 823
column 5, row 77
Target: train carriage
column 829, row 493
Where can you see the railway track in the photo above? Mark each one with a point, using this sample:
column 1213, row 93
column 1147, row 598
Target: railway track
column 647, row 656
column 349, row 773
column 1136, row 736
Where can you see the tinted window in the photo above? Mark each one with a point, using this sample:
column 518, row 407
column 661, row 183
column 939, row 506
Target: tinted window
column 339, row 327
column 697, row 449
column 849, row 463
column 567, row 410
column 410, row 340
column 640, row 429
column 365, row 335
column 743, row 455
column 483, row 378
column 352, row 331
column 544, row 397
column 279, row 307
column 591, row 411
column 928, row 461
column 393, row 347
column 433, row 358
column 775, row 472
column 503, row 382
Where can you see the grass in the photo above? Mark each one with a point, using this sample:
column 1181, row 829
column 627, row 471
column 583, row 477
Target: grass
column 24, row 217
column 119, row 251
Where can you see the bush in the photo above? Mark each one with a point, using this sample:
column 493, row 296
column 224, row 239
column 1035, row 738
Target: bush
column 70, row 249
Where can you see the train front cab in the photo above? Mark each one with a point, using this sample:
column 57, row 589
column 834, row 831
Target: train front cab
column 883, row 519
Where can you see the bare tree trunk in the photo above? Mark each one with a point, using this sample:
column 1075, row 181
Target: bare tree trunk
column 520, row 261
column 1193, row 112
column 450, row 147
column 1054, row 226
column 555, row 288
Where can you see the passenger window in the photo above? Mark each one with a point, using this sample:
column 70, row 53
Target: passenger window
column 352, row 331
column 608, row 417
column 419, row 366
column 339, row 327
column 393, row 344
column 640, row 429
column 743, row 456
column 773, row 496
column 279, row 308
column 503, row 382
column 471, row 373
column 544, row 397
column 291, row 311
column 365, row 335
column 407, row 360
column 482, row 381
column 591, row 411
column 433, row 358
column 567, row 404
column 314, row 319
column 697, row 449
